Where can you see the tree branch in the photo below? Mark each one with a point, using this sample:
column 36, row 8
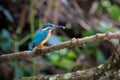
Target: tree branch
column 104, row 71
column 71, row 43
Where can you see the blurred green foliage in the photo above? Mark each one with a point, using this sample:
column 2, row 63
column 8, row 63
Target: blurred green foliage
column 6, row 13
column 5, row 40
column 62, row 59
column 112, row 9
column 114, row 12
column 90, row 49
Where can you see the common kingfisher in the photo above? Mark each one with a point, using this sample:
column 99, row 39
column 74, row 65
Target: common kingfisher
column 43, row 35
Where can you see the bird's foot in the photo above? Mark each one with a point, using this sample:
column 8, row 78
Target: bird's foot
column 41, row 46
column 34, row 50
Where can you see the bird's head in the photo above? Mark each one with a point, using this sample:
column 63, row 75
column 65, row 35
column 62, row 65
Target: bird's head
column 50, row 26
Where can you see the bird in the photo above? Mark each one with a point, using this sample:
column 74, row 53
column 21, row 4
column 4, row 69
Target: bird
column 43, row 35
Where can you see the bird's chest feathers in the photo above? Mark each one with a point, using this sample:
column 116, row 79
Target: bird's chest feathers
column 47, row 37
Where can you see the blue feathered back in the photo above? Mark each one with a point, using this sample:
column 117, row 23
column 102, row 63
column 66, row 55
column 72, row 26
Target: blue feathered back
column 39, row 37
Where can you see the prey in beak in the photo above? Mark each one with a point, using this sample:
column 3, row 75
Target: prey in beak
column 57, row 26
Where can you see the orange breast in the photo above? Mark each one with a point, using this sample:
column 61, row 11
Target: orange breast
column 46, row 39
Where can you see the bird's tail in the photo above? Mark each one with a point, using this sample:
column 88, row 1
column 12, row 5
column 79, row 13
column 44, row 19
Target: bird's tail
column 30, row 46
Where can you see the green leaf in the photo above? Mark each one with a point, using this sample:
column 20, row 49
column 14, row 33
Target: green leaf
column 18, row 73
column 105, row 3
column 37, row 21
column 7, row 13
column 103, row 27
column 71, row 54
column 27, row 71
column 54, row 57
column 99, row 56
column 63, row 51
column 66, row 63
column 114, row 12
column 5, row 40
column 19, row 30
column 88, row 33
column 100, row 9
column 68, row 26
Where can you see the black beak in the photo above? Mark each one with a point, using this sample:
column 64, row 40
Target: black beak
column 57, row 26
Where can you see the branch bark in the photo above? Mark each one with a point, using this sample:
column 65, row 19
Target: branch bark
column 71, row 43
column 102, row 72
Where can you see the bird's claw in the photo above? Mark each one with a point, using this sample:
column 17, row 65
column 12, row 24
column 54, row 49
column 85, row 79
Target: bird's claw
column 41, row 46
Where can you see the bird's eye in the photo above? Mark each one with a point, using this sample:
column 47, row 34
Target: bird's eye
column 50, row 25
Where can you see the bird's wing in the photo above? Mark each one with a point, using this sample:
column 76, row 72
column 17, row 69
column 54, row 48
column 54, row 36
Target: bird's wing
column 39, row 37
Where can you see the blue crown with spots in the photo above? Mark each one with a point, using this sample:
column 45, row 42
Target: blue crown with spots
column 46, row 25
